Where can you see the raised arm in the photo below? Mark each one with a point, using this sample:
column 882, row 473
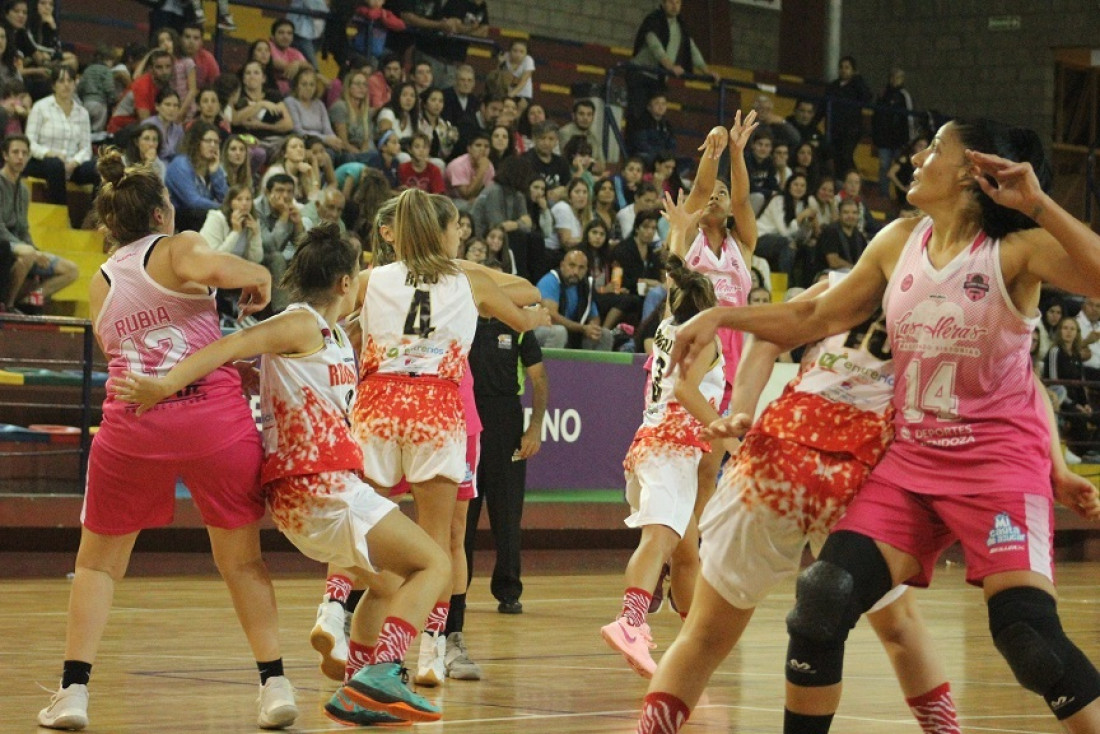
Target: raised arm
column 1065, row 252
column 707, row 172
column 798, row 322
column 740, row 207
column 287, row 333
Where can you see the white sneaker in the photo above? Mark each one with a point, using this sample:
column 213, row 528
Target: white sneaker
column 68, row 709
column 329, row 638
column 459, row 665
column 226, row 22
column 431, row 667
column 276, row 706
column 1072, row 458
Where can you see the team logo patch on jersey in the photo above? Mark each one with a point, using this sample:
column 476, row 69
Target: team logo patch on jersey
column 976, row 286
column 907, row 283
column 1005, row 536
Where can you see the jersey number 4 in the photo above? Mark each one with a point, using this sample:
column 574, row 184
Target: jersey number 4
column 418, row 321
column 938, row 396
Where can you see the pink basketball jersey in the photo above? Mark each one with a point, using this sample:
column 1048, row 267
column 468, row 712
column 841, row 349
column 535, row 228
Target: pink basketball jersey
column 304, row 404
column 730, row 277
column 147, row 329
column 968, row 418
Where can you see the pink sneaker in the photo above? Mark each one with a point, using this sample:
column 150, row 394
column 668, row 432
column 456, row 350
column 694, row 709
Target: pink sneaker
column 634, row 643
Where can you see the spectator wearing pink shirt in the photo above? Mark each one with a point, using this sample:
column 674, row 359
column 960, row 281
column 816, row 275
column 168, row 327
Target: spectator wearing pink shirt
column 287, row 60
column 469, row 173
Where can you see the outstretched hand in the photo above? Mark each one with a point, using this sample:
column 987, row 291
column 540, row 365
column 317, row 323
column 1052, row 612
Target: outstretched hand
column 741, row 131
column 679, row 218
column 133, row 388
column 716, row 142
column 1077, row 493
column 1013, row 184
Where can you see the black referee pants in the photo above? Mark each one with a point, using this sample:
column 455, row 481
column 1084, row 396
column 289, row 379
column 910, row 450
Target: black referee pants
column 501, row 484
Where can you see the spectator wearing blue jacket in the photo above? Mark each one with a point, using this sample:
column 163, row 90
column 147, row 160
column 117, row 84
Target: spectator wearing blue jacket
column 195, row 180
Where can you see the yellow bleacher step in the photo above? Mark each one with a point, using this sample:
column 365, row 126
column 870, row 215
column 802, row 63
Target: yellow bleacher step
column 47, row 216
column 779, row 286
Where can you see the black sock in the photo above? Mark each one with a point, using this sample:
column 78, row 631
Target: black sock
column 353, row 600
column 270, row 669
column 456, row 617
column 75, row 672
column 805, row 724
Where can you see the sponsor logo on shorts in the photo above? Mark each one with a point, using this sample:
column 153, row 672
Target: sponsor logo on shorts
column 1005, row 536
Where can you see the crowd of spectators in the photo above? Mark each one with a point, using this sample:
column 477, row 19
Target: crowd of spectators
column 254, row 156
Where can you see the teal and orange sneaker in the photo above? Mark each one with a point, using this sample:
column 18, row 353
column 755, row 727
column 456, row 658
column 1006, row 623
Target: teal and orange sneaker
column 382, row 687
column 341, row 709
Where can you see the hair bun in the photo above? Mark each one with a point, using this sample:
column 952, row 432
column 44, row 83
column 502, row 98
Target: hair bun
column 111, row 167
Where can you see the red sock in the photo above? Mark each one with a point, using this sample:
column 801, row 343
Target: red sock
column 935, row 711
column 635, row 606
column 337, row 588
column 359, row 656
column 393, row 640
column 662, row 713
column 437, row 620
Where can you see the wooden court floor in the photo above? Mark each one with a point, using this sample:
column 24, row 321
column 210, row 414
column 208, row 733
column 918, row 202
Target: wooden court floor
column 174, row 660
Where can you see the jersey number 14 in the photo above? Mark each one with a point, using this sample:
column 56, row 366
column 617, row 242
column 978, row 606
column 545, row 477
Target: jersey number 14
column 938, row 396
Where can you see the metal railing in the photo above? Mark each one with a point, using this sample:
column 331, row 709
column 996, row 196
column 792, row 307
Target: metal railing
column 32, row 324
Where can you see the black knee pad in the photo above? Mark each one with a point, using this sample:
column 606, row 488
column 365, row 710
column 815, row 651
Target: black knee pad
column 847, row 579
column 830, row 596
column 1028, row 634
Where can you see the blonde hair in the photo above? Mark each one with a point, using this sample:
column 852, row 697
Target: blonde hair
column 419, row 222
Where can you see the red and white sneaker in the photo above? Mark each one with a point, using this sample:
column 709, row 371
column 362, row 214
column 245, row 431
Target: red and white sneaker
column 634, row 643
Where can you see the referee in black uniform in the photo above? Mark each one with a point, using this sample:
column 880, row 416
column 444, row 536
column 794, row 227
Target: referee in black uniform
column 497, row 354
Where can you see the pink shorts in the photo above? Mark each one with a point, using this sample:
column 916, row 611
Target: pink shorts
column 999, row 531
column 127, row 492
column 467, row 488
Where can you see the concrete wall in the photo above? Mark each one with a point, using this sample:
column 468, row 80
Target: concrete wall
column 954, row 62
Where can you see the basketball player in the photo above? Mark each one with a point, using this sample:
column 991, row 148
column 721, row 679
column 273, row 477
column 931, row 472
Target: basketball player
column 418, row 320
column 152, row 304
column 663, row 461
column 317, row 498
column 960, row 289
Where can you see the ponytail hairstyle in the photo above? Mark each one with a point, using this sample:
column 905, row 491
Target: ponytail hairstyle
column 1018, row 144
column 690, row 291
column 419, row 223
column 382, row 250
column 126, row 200
column 322, row 257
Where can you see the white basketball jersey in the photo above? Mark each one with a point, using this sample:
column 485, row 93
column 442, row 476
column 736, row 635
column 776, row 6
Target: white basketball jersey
column 411, row 327
column 664, row 417
column 854, row 367
column 304, row 404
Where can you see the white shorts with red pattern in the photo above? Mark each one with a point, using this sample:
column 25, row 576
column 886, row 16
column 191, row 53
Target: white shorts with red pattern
column 327, row 516
column 661, row 484
column 410, row 426
column 467, row 488
column 775, row 498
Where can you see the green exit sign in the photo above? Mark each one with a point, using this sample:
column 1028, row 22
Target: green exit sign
column 1004, row 23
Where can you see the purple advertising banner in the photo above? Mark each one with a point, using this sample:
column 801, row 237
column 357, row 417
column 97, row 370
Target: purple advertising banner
column 596, row 403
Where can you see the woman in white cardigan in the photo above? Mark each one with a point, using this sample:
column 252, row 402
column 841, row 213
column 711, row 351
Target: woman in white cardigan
column 233, row 228
column 785, row 223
